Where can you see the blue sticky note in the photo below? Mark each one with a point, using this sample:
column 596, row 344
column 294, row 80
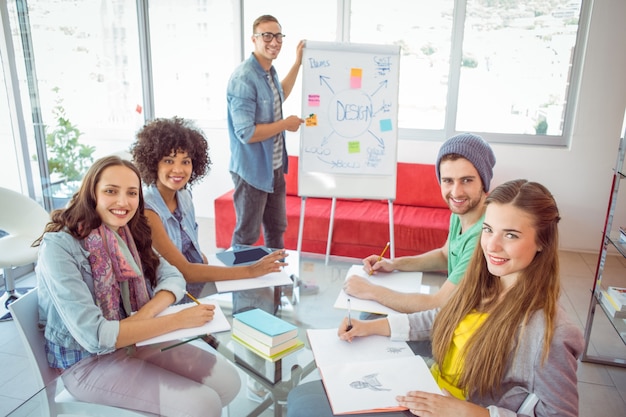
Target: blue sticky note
column 385, row 125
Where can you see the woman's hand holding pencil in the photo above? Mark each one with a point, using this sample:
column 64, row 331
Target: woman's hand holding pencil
column 196, row 316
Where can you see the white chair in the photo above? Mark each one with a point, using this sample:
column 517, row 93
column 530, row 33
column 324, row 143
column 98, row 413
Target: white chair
column 24, row 220
column 25, row 312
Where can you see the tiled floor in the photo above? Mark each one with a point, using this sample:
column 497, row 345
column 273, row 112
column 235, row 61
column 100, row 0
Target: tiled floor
column 602, row 388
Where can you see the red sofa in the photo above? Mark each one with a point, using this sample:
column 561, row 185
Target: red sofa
column 361, row 227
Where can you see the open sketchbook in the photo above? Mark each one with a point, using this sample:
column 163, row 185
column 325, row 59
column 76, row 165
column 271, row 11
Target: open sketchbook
column 397, row 281
column 218, row 324
column 328, row 349
column 269, row 280
column 357, row 383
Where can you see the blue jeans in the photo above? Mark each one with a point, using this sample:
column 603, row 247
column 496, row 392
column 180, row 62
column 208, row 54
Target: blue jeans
column 255, row 208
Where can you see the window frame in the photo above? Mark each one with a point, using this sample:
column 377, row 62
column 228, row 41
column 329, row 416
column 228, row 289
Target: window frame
column 22, row 130
column 449, row 130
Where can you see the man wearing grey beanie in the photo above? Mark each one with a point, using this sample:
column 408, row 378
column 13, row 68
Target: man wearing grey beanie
column 464, row 170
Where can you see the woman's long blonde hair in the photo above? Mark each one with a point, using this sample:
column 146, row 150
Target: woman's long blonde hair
column 492, row 347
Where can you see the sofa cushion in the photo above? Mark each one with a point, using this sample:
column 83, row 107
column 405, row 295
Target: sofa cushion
column 361, row 227
column 291, row 177
column 416, row 185
column 367, row 224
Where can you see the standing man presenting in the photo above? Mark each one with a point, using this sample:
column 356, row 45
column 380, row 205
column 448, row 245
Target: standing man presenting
column 464, row 169
column 256, row 127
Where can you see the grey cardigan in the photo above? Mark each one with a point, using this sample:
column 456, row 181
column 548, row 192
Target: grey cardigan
column 554, row 381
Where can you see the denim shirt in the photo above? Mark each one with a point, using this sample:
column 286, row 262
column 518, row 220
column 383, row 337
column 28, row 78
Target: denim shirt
column 66, row 294
column 251, row 102
column 154, row 201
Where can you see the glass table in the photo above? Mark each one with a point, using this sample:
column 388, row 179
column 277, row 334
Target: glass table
column 307, row 311
column 277, row 378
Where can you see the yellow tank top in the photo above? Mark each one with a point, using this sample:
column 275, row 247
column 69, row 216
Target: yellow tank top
column 448, row 376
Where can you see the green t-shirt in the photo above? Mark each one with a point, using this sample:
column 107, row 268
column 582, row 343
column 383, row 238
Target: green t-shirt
column 460, row 247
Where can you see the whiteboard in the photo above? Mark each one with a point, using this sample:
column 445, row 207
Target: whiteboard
column 348, row 143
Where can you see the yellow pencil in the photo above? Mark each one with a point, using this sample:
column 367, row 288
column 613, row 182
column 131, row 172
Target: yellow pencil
column 195, row 300
column 380, row 257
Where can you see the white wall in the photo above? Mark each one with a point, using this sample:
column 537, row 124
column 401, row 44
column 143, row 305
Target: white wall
column 579, row 176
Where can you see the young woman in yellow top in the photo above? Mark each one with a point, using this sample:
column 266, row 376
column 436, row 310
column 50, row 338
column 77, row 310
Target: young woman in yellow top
column 502, row 335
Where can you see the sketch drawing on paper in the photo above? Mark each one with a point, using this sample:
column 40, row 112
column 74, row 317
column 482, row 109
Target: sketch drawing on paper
column 369, row 381
column 393, row 349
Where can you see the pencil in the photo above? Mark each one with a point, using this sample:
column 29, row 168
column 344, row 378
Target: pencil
column 180, row 343
column 380, row 257
column 195, row 300
column 349, row 327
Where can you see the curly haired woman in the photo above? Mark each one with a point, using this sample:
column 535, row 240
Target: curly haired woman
column 172, row 154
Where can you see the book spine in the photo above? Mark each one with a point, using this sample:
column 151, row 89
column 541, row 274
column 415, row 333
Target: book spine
column 618, row 297
column 274, row 357
column 263, row 337
column 252, row 332
column 610, row 307
column 265, row 349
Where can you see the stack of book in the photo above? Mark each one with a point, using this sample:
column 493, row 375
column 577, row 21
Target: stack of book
column 264, row 334
column 614, row 301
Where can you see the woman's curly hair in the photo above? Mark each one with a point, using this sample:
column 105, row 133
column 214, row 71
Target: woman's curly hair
column 162, row 137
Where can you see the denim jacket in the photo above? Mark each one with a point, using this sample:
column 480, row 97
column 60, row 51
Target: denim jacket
column 251, row 101
column 66, row 295
column 154, row 201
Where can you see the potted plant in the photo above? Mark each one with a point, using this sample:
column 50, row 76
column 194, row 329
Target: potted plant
column 68, row 158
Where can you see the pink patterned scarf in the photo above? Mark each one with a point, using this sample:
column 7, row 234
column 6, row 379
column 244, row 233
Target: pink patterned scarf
column 110, row 267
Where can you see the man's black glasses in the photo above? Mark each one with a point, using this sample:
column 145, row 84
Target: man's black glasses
column 268, row 36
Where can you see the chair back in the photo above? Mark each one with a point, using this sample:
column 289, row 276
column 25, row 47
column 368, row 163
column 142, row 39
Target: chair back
column 25, row 311
column 24, row 220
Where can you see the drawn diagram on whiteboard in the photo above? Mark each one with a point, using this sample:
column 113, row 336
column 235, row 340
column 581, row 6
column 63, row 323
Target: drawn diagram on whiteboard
column 350, row 107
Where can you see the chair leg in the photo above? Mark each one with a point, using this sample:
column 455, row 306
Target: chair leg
column 11, row 293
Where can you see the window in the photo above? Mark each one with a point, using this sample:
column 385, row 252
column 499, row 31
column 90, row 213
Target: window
column 9, row 157
column 84, row 70
column 515, row 67
column 424, row 36
column 499, row 68
column 506, row 69
column 193, row 48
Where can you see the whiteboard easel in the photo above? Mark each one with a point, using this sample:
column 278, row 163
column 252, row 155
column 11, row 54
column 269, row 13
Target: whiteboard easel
column 348, row 145
column 392, row 250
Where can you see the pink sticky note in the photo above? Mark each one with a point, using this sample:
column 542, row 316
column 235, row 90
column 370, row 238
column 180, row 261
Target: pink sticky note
column 356, row 76
column 314, row 100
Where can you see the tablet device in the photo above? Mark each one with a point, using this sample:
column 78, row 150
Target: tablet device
column 244, row 256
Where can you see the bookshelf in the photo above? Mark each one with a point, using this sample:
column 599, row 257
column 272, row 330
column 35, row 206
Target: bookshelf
column 610, row 238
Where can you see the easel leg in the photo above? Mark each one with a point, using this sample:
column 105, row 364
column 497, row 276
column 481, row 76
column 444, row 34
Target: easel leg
column 301, row 226
column 392, row 246
column 330, row 228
